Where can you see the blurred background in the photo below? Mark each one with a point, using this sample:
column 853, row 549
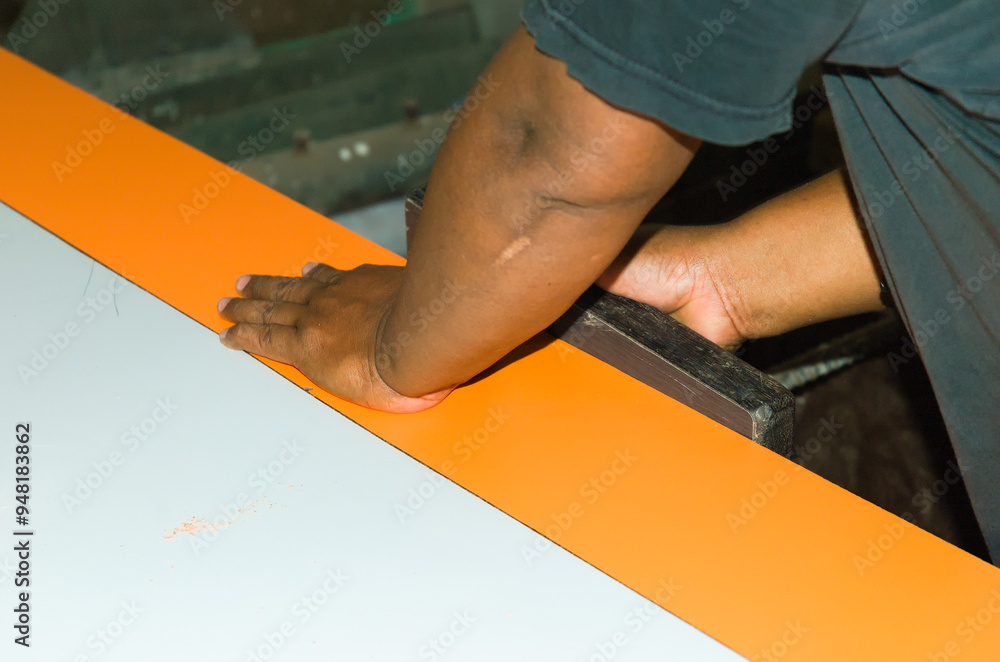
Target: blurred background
column 340, row 105
column 359, row 85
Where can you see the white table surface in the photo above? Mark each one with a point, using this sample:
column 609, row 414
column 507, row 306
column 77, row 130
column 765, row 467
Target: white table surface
column 321, row 562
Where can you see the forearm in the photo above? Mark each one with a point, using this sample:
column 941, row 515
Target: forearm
column 799, row 259
column 531, row 197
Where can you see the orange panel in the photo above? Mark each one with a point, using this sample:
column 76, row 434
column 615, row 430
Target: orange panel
column 759, row 554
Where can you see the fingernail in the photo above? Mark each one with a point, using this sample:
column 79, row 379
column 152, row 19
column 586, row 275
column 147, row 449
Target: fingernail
column 241, row 282
column 223, row 303
column 309, row 266
column 223, row 334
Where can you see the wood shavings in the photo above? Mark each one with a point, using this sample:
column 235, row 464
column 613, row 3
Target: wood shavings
column 196, row 525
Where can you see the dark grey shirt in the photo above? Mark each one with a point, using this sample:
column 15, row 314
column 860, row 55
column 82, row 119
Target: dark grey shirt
column 914, row 86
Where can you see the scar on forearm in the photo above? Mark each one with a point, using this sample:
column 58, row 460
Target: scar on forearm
column 512, row 249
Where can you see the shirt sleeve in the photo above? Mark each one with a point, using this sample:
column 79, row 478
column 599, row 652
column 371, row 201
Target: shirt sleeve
column 724, row 71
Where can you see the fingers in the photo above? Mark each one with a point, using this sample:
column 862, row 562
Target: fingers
column 276, row 288
column 255, row 311
column 274, row 341
column 321, row 272
column 267, row 316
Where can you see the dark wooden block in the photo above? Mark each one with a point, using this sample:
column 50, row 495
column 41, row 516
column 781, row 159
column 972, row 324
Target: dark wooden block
column 661, row 352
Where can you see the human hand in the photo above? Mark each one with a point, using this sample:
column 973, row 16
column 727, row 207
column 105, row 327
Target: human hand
column 671, row 268
column 328, row 325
